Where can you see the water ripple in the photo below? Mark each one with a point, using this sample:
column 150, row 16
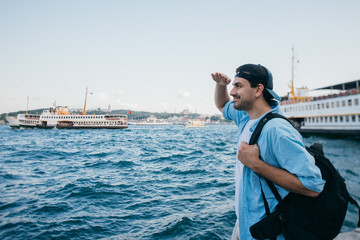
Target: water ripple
column 147, row 182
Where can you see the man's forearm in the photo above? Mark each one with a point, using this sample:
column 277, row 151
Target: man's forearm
column 221, row 96
column 283, row 179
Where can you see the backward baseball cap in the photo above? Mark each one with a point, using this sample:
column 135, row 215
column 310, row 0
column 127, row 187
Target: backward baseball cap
column 258, row 74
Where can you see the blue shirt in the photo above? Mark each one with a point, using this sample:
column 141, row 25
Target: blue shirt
column 281, row 146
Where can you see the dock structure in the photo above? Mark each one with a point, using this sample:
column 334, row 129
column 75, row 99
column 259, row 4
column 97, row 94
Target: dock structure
column 353, row 235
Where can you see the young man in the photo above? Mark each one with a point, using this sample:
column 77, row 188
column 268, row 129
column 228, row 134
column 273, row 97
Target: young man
column 286, row 161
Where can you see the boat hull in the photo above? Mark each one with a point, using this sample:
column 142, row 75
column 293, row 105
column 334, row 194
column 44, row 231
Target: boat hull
column 331, row 132
column 91, row 127
column 13, row 121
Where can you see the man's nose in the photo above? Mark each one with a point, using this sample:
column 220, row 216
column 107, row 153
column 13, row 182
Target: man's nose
column 232, row 92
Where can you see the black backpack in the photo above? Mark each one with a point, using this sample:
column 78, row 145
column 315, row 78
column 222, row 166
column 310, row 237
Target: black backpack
column 300, row 217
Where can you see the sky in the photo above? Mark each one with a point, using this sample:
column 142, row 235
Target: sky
column 158, row 55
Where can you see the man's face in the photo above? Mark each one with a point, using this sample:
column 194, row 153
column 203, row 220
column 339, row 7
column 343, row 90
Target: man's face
column 242, row 93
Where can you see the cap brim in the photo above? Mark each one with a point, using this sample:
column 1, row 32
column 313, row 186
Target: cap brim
column 274, row 94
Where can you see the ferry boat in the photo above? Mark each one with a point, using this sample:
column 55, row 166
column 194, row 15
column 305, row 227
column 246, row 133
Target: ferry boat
column 60, row 117
column 192, row 124
column 334, row 111
column 331, row 114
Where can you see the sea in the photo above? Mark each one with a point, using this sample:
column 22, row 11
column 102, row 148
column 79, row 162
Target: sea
column 144, row 182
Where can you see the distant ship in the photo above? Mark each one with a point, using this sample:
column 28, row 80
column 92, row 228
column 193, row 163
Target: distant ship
column 152, row 120
column 327, row 114
column 335, row 114
column 60, row 117
column 195, row 124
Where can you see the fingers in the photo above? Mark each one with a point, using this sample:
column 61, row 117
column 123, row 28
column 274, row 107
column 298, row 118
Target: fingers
column 244, row 145
column 220, row 78
column 246, row 148
column 216, row 75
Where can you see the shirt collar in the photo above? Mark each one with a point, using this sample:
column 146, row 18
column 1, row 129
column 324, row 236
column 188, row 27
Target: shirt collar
column 275, row 109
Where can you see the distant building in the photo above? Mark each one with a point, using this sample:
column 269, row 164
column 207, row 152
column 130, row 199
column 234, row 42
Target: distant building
column 186, row 111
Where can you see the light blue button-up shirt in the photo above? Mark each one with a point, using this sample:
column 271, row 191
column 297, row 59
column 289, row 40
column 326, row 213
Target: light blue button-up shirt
column 281, row 146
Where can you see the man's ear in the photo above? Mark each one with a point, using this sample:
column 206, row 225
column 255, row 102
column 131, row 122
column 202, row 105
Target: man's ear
column 259, row 90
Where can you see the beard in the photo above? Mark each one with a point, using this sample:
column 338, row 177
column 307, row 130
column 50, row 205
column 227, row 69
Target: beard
column 242, row 104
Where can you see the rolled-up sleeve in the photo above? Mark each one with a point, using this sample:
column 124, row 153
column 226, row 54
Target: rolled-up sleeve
column 228, row 110
column 292, row 156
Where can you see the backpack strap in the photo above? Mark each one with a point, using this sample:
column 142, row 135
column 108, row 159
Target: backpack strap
column 354, row 202
column 256, row 134
column 254, row 137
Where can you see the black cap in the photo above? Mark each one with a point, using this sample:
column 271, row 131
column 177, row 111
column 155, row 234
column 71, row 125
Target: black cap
column 259, row 75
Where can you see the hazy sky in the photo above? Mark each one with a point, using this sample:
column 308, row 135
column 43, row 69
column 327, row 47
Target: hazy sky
column 157, row 55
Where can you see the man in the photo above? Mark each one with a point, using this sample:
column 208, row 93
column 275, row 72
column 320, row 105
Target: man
column 286, row 161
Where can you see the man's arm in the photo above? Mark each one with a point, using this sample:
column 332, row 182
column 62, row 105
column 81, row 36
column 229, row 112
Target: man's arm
column 221, row 93
column 248, row 155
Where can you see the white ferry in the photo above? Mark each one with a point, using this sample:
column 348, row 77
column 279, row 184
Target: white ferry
column 335, row 113
column 60, row 117
column 194, row 123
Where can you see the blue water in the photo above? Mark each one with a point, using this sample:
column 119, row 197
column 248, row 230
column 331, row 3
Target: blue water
column 166, row 182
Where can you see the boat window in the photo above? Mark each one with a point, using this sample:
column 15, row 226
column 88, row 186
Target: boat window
column 343, row 103
column 337, row 104
column 336, row 118
column 332, row 104
column 330, row 119
column 327, row 105
column 347, row 118
column 353, row 118
column 349, row 102
column 341, row 119
column 356, row 101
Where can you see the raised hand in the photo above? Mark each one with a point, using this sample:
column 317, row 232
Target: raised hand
column 221, row 78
